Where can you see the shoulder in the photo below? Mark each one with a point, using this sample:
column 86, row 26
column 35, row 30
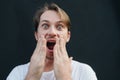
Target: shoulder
column 21, row 68
column 80, row 64
column 18, row 72
column 83, row 70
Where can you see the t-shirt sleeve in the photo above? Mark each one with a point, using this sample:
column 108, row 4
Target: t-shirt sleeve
column 88, row 73
column 14, row 74
column 18, row 73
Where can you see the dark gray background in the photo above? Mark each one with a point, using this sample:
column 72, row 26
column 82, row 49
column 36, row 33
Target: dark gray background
column 95, row 34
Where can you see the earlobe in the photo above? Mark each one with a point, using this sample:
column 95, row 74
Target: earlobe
column 67, row 40
column 36, row 37
column 69, row 35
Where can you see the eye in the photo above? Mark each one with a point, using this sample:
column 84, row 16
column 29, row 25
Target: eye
column 45, row 26
column 59, row 27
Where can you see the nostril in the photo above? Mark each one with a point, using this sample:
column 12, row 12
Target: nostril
column 52, row 35
column 47, row 36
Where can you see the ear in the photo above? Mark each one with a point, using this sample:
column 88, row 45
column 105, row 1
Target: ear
column 68, row 37
column 36, row 35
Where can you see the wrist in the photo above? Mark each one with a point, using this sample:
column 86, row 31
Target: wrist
column 65, row 78
column 32, row 76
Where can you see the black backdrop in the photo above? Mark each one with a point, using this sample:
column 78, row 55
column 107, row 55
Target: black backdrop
column 95, row 34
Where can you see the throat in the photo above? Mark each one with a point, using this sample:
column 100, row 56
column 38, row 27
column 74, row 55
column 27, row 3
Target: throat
column 50, row 45
column 48, row 66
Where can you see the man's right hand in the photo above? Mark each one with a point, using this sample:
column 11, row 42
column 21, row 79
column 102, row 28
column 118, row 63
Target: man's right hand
column 37, row 62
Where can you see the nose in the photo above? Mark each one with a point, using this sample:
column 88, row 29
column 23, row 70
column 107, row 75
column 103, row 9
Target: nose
column 52, row 32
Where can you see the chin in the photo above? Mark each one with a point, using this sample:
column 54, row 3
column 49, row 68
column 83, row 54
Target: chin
column 50, row 58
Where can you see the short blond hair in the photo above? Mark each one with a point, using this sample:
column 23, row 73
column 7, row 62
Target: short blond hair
column 54, row 7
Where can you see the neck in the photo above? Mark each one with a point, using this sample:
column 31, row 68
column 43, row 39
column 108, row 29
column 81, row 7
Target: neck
column 48, row 65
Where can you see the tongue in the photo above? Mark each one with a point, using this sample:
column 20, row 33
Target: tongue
column 51, row 47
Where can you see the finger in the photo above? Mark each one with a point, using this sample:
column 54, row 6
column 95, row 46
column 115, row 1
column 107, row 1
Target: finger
column 56, row 48
column 38, row 43
column 41, row 43
column 42, row 49
column 63, row 47
column 42, row 53
column 37, row 49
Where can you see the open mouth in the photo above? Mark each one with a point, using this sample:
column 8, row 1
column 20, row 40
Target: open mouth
column 50, row 45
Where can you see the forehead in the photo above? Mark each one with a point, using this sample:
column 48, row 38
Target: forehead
column 50, row 16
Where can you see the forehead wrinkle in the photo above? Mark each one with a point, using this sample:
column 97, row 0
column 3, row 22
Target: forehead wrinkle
column 55, row 21
column 44, row 21
column 60, row 21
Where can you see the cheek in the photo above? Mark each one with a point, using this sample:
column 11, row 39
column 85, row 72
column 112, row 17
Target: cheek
column 41, row 33
column 64, row 35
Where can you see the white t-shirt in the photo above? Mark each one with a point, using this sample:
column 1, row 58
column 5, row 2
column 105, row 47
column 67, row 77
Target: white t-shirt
column 80, row 71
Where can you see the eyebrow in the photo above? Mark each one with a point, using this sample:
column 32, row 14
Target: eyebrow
column 60, row 21
column 44, row 21
column 48, row 21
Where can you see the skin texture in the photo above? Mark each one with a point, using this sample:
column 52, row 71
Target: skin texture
column 51, row 28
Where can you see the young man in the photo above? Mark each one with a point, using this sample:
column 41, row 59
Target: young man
column 50, row 59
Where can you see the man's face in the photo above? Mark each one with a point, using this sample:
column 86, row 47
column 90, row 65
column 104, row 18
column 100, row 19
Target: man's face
column 51, row 27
